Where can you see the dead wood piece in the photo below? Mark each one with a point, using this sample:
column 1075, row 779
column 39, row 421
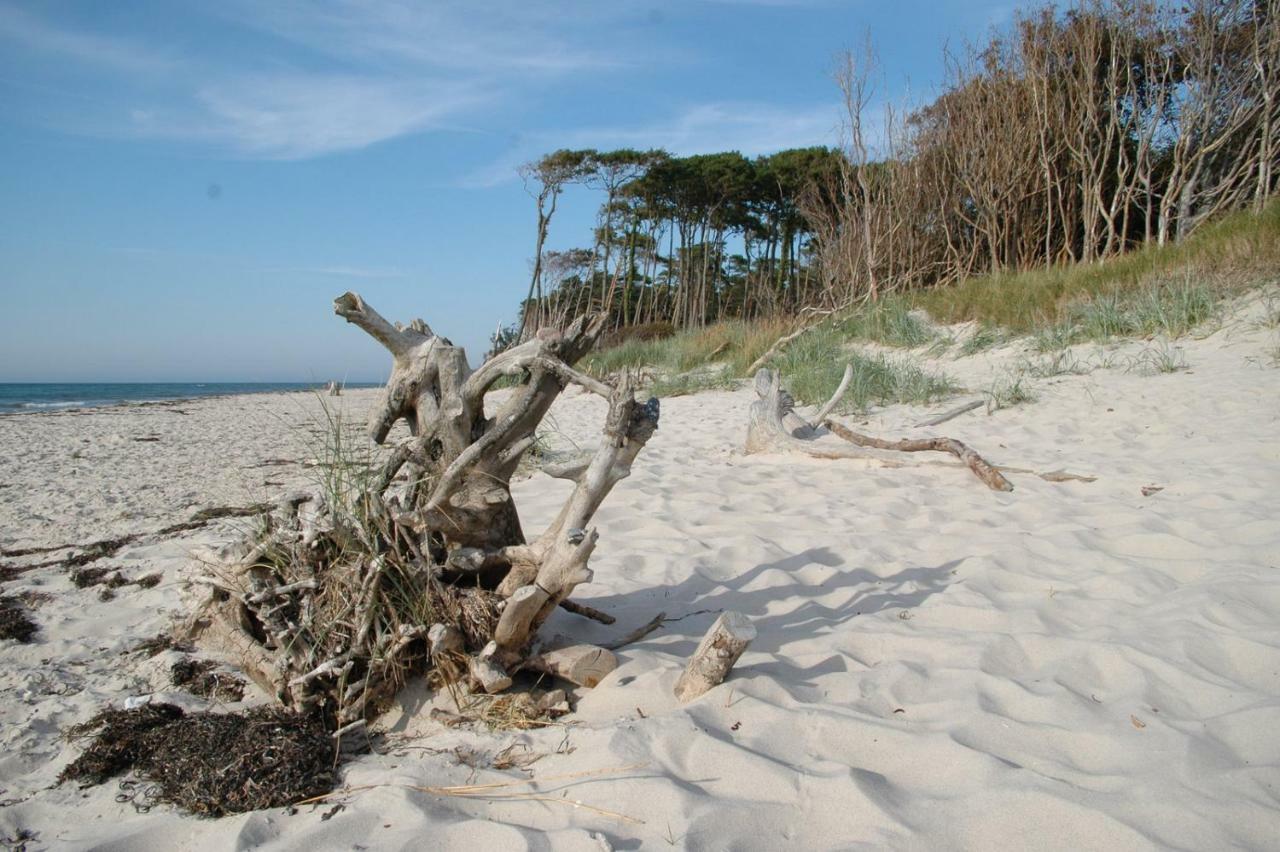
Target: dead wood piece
column 716, row 656
column 587, row 611
column 567, row 544
column 950, row 414
column 516, row 621
column 835, row 397
column 584, row 665
column 639, row 633
column 445, row 639
column 220, row 629
column 980, row 466
column 488, row 675
column 1051, row 476
column 774, row 426
column 324, row 598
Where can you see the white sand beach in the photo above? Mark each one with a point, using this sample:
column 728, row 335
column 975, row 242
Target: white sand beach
column 1072, row 665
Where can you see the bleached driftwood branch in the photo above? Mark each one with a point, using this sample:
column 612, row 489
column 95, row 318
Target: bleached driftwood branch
column 774, row 426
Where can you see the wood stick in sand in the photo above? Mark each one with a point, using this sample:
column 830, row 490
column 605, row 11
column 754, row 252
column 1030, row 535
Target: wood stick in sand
column 587, row 611
column 950, row 414
column 717, row 653
column 980, row 467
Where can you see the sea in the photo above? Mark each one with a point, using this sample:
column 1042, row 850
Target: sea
column 30, row 397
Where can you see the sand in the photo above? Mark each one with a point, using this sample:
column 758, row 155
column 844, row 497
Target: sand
column 1067, row 666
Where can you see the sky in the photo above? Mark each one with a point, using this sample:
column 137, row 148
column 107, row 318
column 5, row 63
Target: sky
column 186, row 186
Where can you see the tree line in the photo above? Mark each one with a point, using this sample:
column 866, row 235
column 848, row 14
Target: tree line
column 1067, row 137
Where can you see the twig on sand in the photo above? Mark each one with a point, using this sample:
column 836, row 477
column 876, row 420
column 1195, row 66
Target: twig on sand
column 951, row 414
column 501, row 791
column 587, row 611
column 639, row 633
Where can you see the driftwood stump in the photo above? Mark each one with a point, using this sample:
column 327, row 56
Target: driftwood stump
column 716, row 656
column 428, row 563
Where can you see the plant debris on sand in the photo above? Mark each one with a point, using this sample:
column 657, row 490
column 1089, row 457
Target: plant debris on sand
column 14, row 621
column 208, row 763
column 199, row 678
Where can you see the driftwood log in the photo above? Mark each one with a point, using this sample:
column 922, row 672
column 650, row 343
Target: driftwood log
column 426, row 564
column 774, row 426
column 717, row 654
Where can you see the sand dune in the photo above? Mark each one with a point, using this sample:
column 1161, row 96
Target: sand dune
column 1068, row 666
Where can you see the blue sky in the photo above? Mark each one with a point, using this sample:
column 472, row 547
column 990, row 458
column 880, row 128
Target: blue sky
column 184, row 187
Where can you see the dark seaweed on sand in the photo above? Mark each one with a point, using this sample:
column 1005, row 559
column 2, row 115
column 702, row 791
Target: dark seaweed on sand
column 14, row 621
column 200, row 678
column 208, row 763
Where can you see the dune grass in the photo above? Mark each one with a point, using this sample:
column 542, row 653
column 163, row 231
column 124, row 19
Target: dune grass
column 814, row 365
column 983, row 338
column 736, row 343
column 683, row 384
column 889, row 321
column 1220, row 257
column 1159, row 291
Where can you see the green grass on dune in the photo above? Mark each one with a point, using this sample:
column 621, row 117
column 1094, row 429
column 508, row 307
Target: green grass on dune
column 737, row 343
column 1168, row 292
column 1218, row 258
column 814, row 364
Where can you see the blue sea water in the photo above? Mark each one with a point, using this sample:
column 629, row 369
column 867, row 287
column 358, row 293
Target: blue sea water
column 27, row 397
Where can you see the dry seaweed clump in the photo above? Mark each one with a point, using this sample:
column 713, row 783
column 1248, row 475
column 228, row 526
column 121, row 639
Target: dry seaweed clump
column 14, row 621
column 200, row 678
column 208, row 763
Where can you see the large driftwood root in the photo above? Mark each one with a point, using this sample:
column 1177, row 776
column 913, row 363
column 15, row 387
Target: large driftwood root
column 338, row 598
column 774, row 426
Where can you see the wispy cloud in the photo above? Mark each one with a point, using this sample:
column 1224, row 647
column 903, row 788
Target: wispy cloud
column 35, row 34
column 485, row 36
column 328, row 76
column 297, row 116
column 334, row 75
column 750, row 128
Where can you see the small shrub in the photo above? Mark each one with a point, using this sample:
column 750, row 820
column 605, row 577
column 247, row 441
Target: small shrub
column 1051, row 338
column 1270, row 311
column 1161, row 358
column 888, row 321
column 1008, row 391
column 814, row 365
column 684, row 384
column 640, row 333
column 1062, row 363
column 983, row 338
column 1172, row 309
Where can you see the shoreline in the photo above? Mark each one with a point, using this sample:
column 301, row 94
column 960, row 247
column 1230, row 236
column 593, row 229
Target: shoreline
column 81, row 407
